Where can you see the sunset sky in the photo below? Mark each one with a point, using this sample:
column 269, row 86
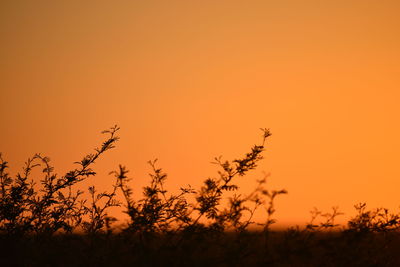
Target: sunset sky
column 190, row 80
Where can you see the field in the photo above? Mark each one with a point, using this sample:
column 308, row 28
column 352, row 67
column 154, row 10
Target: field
column 287, row 248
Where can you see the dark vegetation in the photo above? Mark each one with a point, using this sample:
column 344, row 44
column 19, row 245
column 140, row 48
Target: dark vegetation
column 48, row 222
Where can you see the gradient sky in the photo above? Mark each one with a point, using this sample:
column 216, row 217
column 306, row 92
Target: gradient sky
column 190, row 80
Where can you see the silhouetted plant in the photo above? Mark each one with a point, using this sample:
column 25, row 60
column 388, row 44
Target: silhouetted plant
column 378, row 220
column 156, row 211
column 159, row 212
column 24, row 209
column 207, row 226
column 326, row 220
column 98, row 217
column 209, row 196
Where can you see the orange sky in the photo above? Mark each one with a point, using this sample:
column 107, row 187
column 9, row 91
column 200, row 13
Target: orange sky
column 191, row 80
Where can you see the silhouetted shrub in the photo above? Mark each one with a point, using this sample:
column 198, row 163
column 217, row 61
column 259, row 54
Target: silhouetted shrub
column 52, row 223
column 27, row 209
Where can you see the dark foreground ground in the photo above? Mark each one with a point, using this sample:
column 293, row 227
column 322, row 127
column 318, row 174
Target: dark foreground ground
column 286, row 248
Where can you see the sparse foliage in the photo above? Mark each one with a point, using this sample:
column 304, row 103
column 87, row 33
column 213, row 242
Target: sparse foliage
column 28, row 209
column 205, row 226
column 378, row 220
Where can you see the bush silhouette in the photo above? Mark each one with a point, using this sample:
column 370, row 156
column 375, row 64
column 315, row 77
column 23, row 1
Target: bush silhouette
column 26, row 209
column 52, row 223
